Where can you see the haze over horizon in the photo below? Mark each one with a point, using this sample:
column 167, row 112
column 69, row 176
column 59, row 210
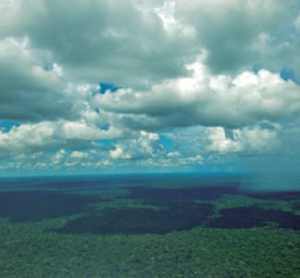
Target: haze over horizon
column 107, row 86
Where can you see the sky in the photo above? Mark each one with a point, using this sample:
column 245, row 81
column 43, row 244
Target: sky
column 136, row 86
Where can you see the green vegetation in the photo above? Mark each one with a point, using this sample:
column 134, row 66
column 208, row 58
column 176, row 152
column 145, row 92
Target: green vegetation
column 28, row 251
column 33, row 245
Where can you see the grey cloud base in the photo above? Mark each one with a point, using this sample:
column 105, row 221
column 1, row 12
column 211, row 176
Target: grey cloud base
column 185, row 68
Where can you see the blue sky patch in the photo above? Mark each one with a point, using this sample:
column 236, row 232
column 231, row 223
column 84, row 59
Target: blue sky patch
column 167, row 143
column 105, row 127
column 108, row 86
column 6, row 126
column 288, row 74
column 256, row 68
column 106, row 142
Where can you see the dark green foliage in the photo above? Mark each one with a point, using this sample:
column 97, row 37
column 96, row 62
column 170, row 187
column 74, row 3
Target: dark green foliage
column 165, row 195
column 249, row 217
column 177, row 217
column 22, row 206
column 206, row 231
column 296, row 207
column 281, row 195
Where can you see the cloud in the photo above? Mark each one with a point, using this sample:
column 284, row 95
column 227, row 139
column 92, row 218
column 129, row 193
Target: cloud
column 194, row 82
column 31, row 87
column 229, row 29
column 255, row 139
column 143, row 145
column 208, row 100
column 79, row 155
column 101, row 40
column 47, row 136
column 297, row 22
